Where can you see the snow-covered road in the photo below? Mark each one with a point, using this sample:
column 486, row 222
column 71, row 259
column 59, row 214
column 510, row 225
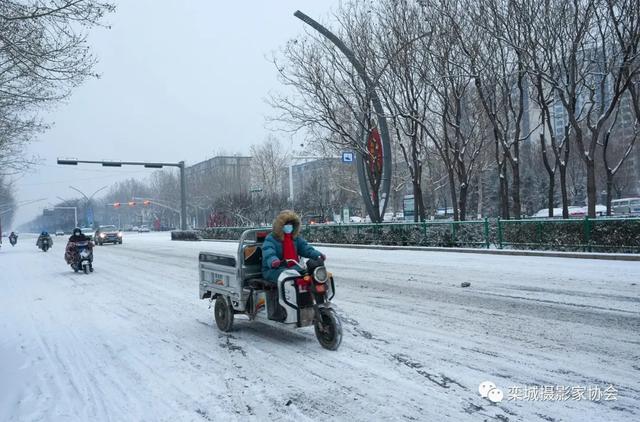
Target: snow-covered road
column 132, row 341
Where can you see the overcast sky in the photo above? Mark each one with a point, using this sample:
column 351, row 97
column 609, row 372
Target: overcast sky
column 181, row 80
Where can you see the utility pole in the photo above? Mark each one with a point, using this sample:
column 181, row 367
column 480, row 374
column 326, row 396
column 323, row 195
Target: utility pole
column 183, row 197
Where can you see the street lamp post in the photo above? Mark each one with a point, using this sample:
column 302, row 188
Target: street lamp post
column 88, row 198
column 153, row 165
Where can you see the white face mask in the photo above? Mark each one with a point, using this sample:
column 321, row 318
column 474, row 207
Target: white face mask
column 288, row 228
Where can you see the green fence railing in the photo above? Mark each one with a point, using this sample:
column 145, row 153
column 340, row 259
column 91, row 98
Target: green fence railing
column 588, row 235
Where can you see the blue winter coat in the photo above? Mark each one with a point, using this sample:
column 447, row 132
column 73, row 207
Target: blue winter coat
column 272, row 249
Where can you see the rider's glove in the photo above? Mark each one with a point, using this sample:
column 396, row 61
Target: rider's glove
column 275, row 263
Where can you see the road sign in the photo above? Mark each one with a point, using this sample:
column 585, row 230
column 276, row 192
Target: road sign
column 89, row 216
column 347, row 157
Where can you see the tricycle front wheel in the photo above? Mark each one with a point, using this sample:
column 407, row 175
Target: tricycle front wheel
column 223, row 314
column 329, row 329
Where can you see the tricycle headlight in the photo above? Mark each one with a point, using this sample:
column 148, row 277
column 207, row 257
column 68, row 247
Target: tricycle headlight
column 320, row 274
column 103, row 235
column 119, row 234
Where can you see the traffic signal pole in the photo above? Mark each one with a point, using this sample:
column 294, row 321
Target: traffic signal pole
column 156, row 165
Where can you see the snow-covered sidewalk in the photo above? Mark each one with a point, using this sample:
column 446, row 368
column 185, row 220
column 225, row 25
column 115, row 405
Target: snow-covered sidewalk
column 133, row 342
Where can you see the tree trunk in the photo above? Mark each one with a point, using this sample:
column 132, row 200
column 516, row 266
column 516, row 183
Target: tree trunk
column 418, row 202
column 418, row 205
column 463, row 201
column 591, row 188
column 551, row 172
column 480, row 194
column 551, row 191
column 515, row 189
column 454, row 200
column 609, row 191
column 504, row 191
column 563, row 178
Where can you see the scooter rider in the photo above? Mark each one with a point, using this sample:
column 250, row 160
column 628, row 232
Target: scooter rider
column 13, row 237
column 44, row 235
column 70, row 251
column 284, row 243
column 78, row 236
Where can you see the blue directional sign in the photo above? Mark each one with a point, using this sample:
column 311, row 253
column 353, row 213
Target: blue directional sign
column 347, row 157
column 90, row 216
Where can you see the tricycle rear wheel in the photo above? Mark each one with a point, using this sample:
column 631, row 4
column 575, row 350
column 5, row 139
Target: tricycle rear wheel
column 223, row 314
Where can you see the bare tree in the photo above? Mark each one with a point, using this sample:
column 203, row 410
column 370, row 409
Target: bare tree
column 596, row 58
column 7, row 203
column 401, row 34
column 454, row 127
column 43, row 56
column 330, row 101
column 269, row 171
column 541, row 42
column 612, row 167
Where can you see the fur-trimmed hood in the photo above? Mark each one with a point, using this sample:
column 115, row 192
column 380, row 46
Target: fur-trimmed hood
column 283, row 218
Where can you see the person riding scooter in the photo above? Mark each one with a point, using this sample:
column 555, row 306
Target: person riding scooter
column 71, row 252
column 280, row 250
column 13, row 238
column 284, row 243
column 44, row 235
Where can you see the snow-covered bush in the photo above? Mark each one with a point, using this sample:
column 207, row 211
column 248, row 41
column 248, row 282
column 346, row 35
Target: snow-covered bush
column 601, row 235
column 615, row 235
column 556, row 235
column 223, row 233
column 185, row 235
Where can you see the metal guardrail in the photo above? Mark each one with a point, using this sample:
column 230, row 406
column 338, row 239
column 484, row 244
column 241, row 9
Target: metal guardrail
column 588, row 235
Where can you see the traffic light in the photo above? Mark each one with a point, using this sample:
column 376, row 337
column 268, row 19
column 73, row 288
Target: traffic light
column 116, row 205
column 132, row 203
column 147, row 203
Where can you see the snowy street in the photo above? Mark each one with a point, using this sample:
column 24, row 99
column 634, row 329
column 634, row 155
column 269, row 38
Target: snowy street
column 132, row 341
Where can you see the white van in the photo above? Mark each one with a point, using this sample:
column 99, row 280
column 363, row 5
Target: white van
column 626, row 206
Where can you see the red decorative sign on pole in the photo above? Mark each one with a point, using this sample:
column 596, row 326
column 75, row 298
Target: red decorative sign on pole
column 374, row 145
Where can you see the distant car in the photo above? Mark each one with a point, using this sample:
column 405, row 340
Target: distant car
column 355, row 219
column 388, row 217
column 59, row 232
column 108, row 234
column 87, row 231
column 143, row 229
